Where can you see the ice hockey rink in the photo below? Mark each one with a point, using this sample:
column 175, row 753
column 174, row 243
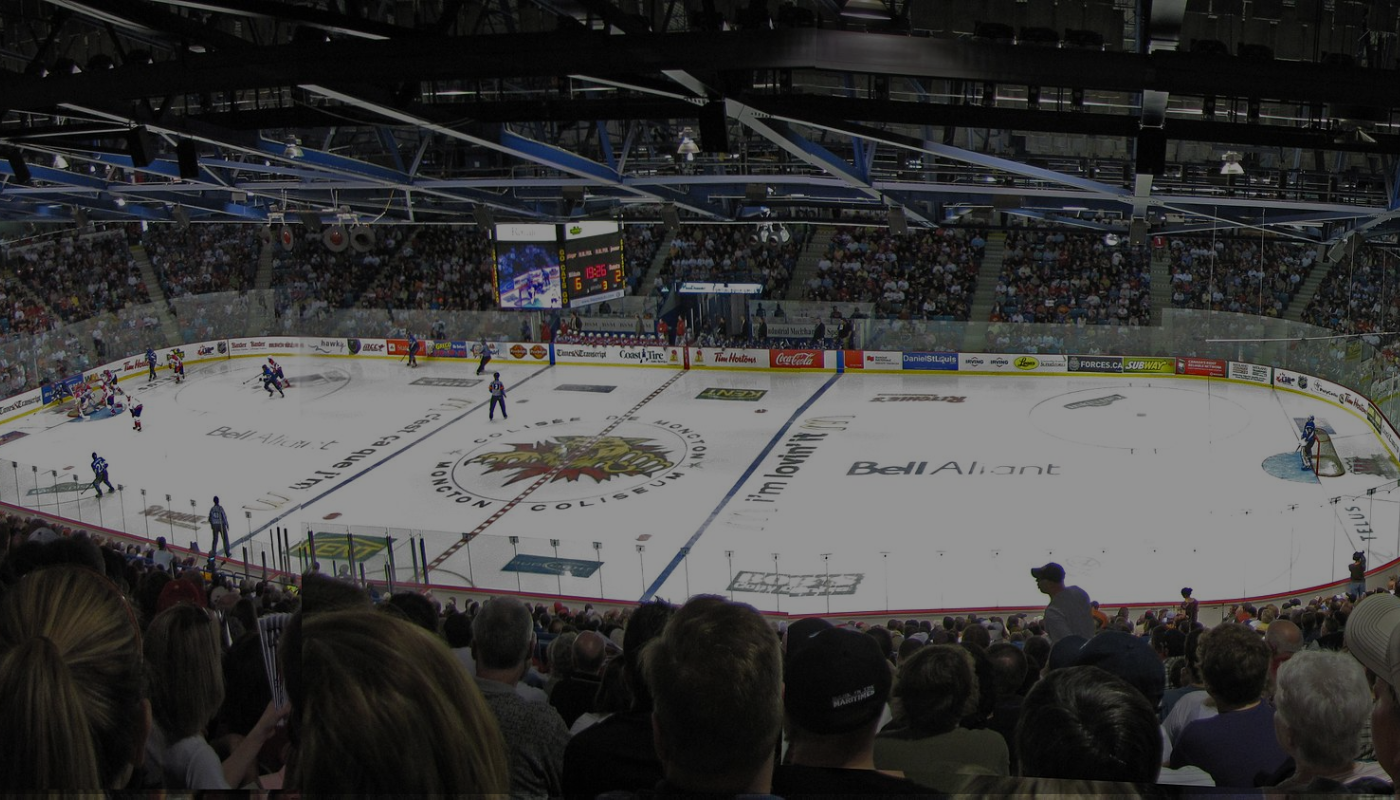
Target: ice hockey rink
column 794, row 492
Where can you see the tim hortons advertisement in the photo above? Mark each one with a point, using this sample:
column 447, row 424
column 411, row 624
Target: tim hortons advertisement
column 1254, row 373
column 512, row 352
column 797, row 359
column 1211, row 367
column 726, row 358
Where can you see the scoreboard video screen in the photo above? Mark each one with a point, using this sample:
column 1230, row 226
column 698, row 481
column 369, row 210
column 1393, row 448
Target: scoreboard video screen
column 593, row 269
column 527, row 267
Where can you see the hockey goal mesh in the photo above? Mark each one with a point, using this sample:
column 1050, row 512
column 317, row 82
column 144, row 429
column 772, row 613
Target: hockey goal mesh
column 1325, row 461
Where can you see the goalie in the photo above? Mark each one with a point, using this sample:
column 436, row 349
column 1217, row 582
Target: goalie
column 1309, row 439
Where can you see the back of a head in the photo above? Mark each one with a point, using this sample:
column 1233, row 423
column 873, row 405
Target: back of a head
column 645, row 624
column 501, row 633
column 1234, row 663
column 72, row 680
column 186, row 670
column 715, row 676
column 386, row 709
column 936, row 688
column 1322, row 699
column 320, row 592
column 590, row 650
column 1129, row 658
column 1009, row 665
column 415, row 608
column 1084, row 723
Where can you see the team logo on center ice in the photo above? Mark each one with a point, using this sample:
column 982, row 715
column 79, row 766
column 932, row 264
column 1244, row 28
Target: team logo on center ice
column 582, row 463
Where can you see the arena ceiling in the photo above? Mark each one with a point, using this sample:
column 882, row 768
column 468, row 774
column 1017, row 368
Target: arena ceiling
column 1180, row 115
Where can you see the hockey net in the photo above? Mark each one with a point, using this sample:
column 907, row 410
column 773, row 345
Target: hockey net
column 1325, row 461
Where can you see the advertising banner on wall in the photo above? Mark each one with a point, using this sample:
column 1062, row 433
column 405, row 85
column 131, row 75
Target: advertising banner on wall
column 1094, row 363
column 512, row 352
column 1007, row 362
column 726, row 358
column 1211, row 367
column 930, row 361
column 1254, row 373
column 1136, row 365
column 797, row 359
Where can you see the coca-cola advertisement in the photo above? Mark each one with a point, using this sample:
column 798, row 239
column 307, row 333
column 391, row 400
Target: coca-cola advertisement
column 797, row 359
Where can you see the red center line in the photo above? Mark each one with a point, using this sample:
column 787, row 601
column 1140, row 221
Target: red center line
column 548, row 476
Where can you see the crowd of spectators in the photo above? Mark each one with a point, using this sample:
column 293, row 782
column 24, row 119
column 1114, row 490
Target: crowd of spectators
column 1360, row 295
column 928, row 274
column 1055, row 276
column 436, row 268
column 1239, row 274
column 77, row 277
column 734, row 253
column 201, row 259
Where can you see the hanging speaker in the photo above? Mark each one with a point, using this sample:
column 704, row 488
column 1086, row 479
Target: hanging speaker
column 335, row 238
column 265, row 234
column 187, row 153
column 714, row 128
column 899, row 224
column 80, row 218
column 484, row 219
column 361, row 238
column 286, row 238
column 311, row 219
column 141, row 145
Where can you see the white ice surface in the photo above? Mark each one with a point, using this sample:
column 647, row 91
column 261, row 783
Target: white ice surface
column 1160, row 488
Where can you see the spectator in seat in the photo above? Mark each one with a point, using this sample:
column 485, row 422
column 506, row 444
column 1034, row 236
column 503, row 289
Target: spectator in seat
column 1084, row 723
column 834, row 691
column 1191, row 679
column 1321, row 701
column 1285, row 640
column 503, row 638
column 74, row 715
column 618, row 753
column 1068, row 613
column 381, row 708
column 574, row 696
column 1373, row 637
column 1237, row 746
column 1009, row 668
column 933, row 691
column 715, row 677
column 183, row 661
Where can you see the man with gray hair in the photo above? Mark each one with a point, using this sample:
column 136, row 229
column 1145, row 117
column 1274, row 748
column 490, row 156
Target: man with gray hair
column 503, row 637
column 1321, row 701
column 573, row 696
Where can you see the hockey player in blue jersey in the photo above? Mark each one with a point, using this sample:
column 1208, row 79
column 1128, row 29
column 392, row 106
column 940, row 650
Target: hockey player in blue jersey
column 151, row 363
column 498, row 396
column 270, row 381
column 99, row 473
column 1309, row 432
column 412, row 350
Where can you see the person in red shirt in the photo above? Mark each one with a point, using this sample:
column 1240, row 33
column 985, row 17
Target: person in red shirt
column 663, row 330
column 680, row 331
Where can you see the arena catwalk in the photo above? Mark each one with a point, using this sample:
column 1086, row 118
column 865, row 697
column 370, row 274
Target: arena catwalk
column 793, row 492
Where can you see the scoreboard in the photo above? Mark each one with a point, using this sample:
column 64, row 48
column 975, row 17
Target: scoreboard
column 527, row 267
column 593, row 269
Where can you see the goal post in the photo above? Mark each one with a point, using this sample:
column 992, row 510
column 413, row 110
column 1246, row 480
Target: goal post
column 1325, row 461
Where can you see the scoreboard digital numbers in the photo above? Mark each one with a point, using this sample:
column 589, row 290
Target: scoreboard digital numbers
column 593, row 269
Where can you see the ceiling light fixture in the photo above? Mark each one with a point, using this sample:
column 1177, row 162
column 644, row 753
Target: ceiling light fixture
column 293, row 148
column 688, row 147
column 1231, row 164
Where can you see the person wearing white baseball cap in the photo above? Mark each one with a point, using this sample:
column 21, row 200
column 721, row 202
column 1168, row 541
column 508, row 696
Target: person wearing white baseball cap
column 1373, row 637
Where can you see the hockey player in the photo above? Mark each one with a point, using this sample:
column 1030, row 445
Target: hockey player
column 498, row 397
column 113, row 406
column 151, row 363
column 412, row 349
column 177, row 367
column 136, row 415
column 270, row 381
column 485, row 356
column 99, row 472
column 277, row 370
column 1309, row 432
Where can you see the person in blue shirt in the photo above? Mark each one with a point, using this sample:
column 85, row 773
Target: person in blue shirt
column 412, row 350
column 485, row 356
column 498, row 396
column 99, row 472
column 270, row 381
column 151, row 363
column 218, row 521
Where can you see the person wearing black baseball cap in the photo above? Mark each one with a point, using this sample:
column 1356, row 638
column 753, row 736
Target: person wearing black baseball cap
column 835, row 687
column 1069, row 613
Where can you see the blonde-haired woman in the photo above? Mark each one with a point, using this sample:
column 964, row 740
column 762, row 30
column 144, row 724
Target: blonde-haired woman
column 382, row 707
column 74, row 714
column 187, row 687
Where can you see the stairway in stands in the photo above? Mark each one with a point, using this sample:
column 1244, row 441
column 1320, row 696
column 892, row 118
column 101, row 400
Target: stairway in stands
column 1320, row 270
column 1161, row 276
column 648, row 282
column 806, row 267
column 983, row 300
column 159, row 303
column 261, row 316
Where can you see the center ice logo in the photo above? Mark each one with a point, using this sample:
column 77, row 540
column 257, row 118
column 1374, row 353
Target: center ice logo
column 603, row 460
column 582, row 463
